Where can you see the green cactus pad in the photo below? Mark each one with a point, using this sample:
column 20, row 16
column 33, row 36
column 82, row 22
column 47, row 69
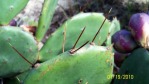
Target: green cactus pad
column 115, row 26
column 45, row 18
column 135, row 68
column 89, row 65
column 11, row 63
column 74, row 26
column 9, row 9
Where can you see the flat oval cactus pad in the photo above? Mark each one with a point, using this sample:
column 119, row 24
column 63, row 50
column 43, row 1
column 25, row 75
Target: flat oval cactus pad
column 11, row 63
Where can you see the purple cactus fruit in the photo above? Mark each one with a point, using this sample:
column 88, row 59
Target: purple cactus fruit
column 123, row 41
column 13, row 23
column 119, row 58
column 139, row 26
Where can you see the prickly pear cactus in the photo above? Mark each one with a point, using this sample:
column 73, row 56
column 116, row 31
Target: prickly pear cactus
column 129, row 74
column 72, row 28
column 63, row 59
column 89, row 65
column 9, row 9
column 11, row 62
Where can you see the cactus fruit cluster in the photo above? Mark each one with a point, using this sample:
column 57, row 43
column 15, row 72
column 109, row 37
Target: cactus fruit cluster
column 79, row 52
column 133, row 64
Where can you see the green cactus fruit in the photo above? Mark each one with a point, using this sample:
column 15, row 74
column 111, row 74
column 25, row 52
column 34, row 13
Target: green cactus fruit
column 89, row 65
column 45, row 18
column 11, row 62
column 73, row 27
column 9, row 9
column 134, row 70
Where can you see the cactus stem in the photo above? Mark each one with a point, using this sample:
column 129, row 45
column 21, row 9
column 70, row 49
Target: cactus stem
column 72, row 51
column 64, row 40
column 21, row 54
column 101, row 26
column 78, row 38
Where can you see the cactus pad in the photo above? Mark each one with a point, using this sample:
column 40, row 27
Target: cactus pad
column 9, row 9
column 45, row 18
column 73, row 27
column 11, row 62
column 89, row 65
column 135, row 68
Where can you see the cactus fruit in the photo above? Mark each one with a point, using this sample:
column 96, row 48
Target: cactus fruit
column 138, row 24
column 9, row 9
column 92, row 22
column 89, row 65
column 13, row 23
column 119, row 58
column 139, row 58
column 11, row 62
column 123, row 41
